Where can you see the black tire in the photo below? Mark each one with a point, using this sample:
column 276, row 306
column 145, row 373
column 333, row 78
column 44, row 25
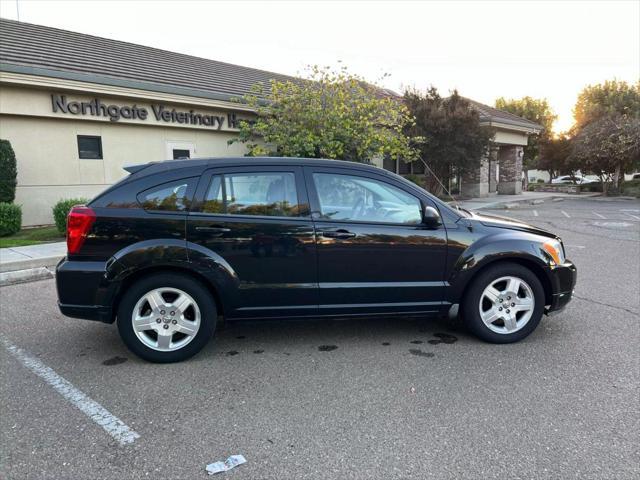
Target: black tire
column 470, row 304
column 187, row 284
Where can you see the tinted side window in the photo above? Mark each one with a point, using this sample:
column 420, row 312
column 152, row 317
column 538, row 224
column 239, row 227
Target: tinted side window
column 349, row 197
column 263, row 193
column 172, row 196
column 214, row 201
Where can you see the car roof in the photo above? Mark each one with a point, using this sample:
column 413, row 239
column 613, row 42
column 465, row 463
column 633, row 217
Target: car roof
column 142, row 170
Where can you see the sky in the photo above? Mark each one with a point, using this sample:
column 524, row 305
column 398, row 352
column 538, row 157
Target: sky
column 484, row 49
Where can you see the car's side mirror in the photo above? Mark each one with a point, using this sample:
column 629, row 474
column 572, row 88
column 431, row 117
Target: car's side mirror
column 431, row 217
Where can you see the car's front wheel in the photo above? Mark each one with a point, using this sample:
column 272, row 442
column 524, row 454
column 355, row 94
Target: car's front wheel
column 166, row 317
column 504, row 304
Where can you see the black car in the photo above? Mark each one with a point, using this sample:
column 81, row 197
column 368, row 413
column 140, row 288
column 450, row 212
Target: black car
column 178, row 244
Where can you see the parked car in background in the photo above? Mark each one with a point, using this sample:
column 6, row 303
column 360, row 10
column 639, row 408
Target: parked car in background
column 176, row 245
column 573, row 180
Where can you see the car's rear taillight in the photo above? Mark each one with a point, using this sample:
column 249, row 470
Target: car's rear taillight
column 79, row 223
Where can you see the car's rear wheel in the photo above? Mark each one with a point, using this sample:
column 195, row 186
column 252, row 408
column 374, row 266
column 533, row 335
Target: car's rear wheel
column 504, row 304
column 166, row 317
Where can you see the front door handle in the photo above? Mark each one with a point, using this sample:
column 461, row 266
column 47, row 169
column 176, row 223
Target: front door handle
column 339, row 234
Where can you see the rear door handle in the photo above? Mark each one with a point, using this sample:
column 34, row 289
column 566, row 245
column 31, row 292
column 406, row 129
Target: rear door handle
column 212, row 229
column 339, row 234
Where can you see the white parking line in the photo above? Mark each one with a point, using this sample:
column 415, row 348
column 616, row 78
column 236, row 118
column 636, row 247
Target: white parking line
column 535, row 213
column 96, row 412
column 565, row 214
column 631, row 215
column 599, row 216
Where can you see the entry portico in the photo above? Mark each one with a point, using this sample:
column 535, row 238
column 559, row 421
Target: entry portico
column 501, row 170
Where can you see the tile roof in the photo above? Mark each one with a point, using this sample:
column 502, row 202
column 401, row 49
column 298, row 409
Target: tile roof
column 102, row 60
column 47, row 51
column 491, row 114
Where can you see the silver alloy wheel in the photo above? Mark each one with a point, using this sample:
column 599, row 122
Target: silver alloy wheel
column 506, row 305
column 166, row 319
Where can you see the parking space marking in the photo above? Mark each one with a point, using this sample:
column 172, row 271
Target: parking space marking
column 631, row 215
column 599, row 216
column 565, row 214
column 535, row 213
column 96, row 412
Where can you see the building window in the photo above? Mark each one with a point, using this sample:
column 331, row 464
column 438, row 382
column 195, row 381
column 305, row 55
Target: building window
column 90, row 147
column 180, row 153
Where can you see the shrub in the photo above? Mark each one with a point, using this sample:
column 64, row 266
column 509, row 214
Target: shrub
column 8, row 172
column 591, row 187
column 61, row 210
column 418, row 180
column 531, row 187
column 10, row 218
column 631, row 188
column 540, row 180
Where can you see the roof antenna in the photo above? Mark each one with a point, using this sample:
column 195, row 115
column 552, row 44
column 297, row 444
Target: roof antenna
column 455, row 202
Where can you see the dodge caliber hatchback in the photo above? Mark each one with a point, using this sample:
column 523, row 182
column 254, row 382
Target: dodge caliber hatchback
column 178, row 244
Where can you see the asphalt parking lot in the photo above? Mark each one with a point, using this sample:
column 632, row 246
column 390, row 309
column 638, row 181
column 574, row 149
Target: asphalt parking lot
column 378, row 398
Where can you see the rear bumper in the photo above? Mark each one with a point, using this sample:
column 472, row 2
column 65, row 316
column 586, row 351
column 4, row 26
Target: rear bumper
column 87, row 312
column 563, row 281
column 84, row 291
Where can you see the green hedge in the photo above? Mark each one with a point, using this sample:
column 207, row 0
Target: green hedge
column 8, row 172
column 632, row 188
column 10, row 218
column 61, row 210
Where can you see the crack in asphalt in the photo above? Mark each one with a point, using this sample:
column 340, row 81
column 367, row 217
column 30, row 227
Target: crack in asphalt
column 606, row 304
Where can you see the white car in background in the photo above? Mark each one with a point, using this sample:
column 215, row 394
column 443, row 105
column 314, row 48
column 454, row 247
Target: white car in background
column 575, row 180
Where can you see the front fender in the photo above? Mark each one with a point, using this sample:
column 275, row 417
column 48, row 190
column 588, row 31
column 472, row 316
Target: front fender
column 511, row 245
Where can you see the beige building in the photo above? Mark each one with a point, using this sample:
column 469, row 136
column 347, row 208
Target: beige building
column 77, row 108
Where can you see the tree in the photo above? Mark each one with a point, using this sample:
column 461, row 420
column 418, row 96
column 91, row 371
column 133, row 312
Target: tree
column 448, row 133
column 553, row 154
column 612, row 97
column 334, row 115
column 608, row 147
column 536, row 110
column 8, row 172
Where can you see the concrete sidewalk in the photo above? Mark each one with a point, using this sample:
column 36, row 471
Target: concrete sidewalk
column 36, row 262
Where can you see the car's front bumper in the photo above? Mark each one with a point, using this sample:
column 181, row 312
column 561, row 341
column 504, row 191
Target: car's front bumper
column 563, row 281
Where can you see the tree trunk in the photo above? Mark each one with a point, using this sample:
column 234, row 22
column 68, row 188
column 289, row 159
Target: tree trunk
column 616, row 178
column 551, row 175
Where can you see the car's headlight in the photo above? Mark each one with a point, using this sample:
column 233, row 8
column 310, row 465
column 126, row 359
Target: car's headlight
column 555, row 251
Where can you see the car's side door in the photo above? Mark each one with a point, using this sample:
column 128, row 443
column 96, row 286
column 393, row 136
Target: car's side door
column 256, row 219
column 375, row 254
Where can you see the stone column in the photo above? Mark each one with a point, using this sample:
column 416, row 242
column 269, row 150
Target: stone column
column 493, row 170
column 510, row 159
column 475, row 181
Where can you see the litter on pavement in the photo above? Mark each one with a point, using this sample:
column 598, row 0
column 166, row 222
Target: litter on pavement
column 228, row 464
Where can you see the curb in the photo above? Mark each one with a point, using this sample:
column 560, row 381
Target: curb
column 537, row 201
column 24, row 276
column 30, row 263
